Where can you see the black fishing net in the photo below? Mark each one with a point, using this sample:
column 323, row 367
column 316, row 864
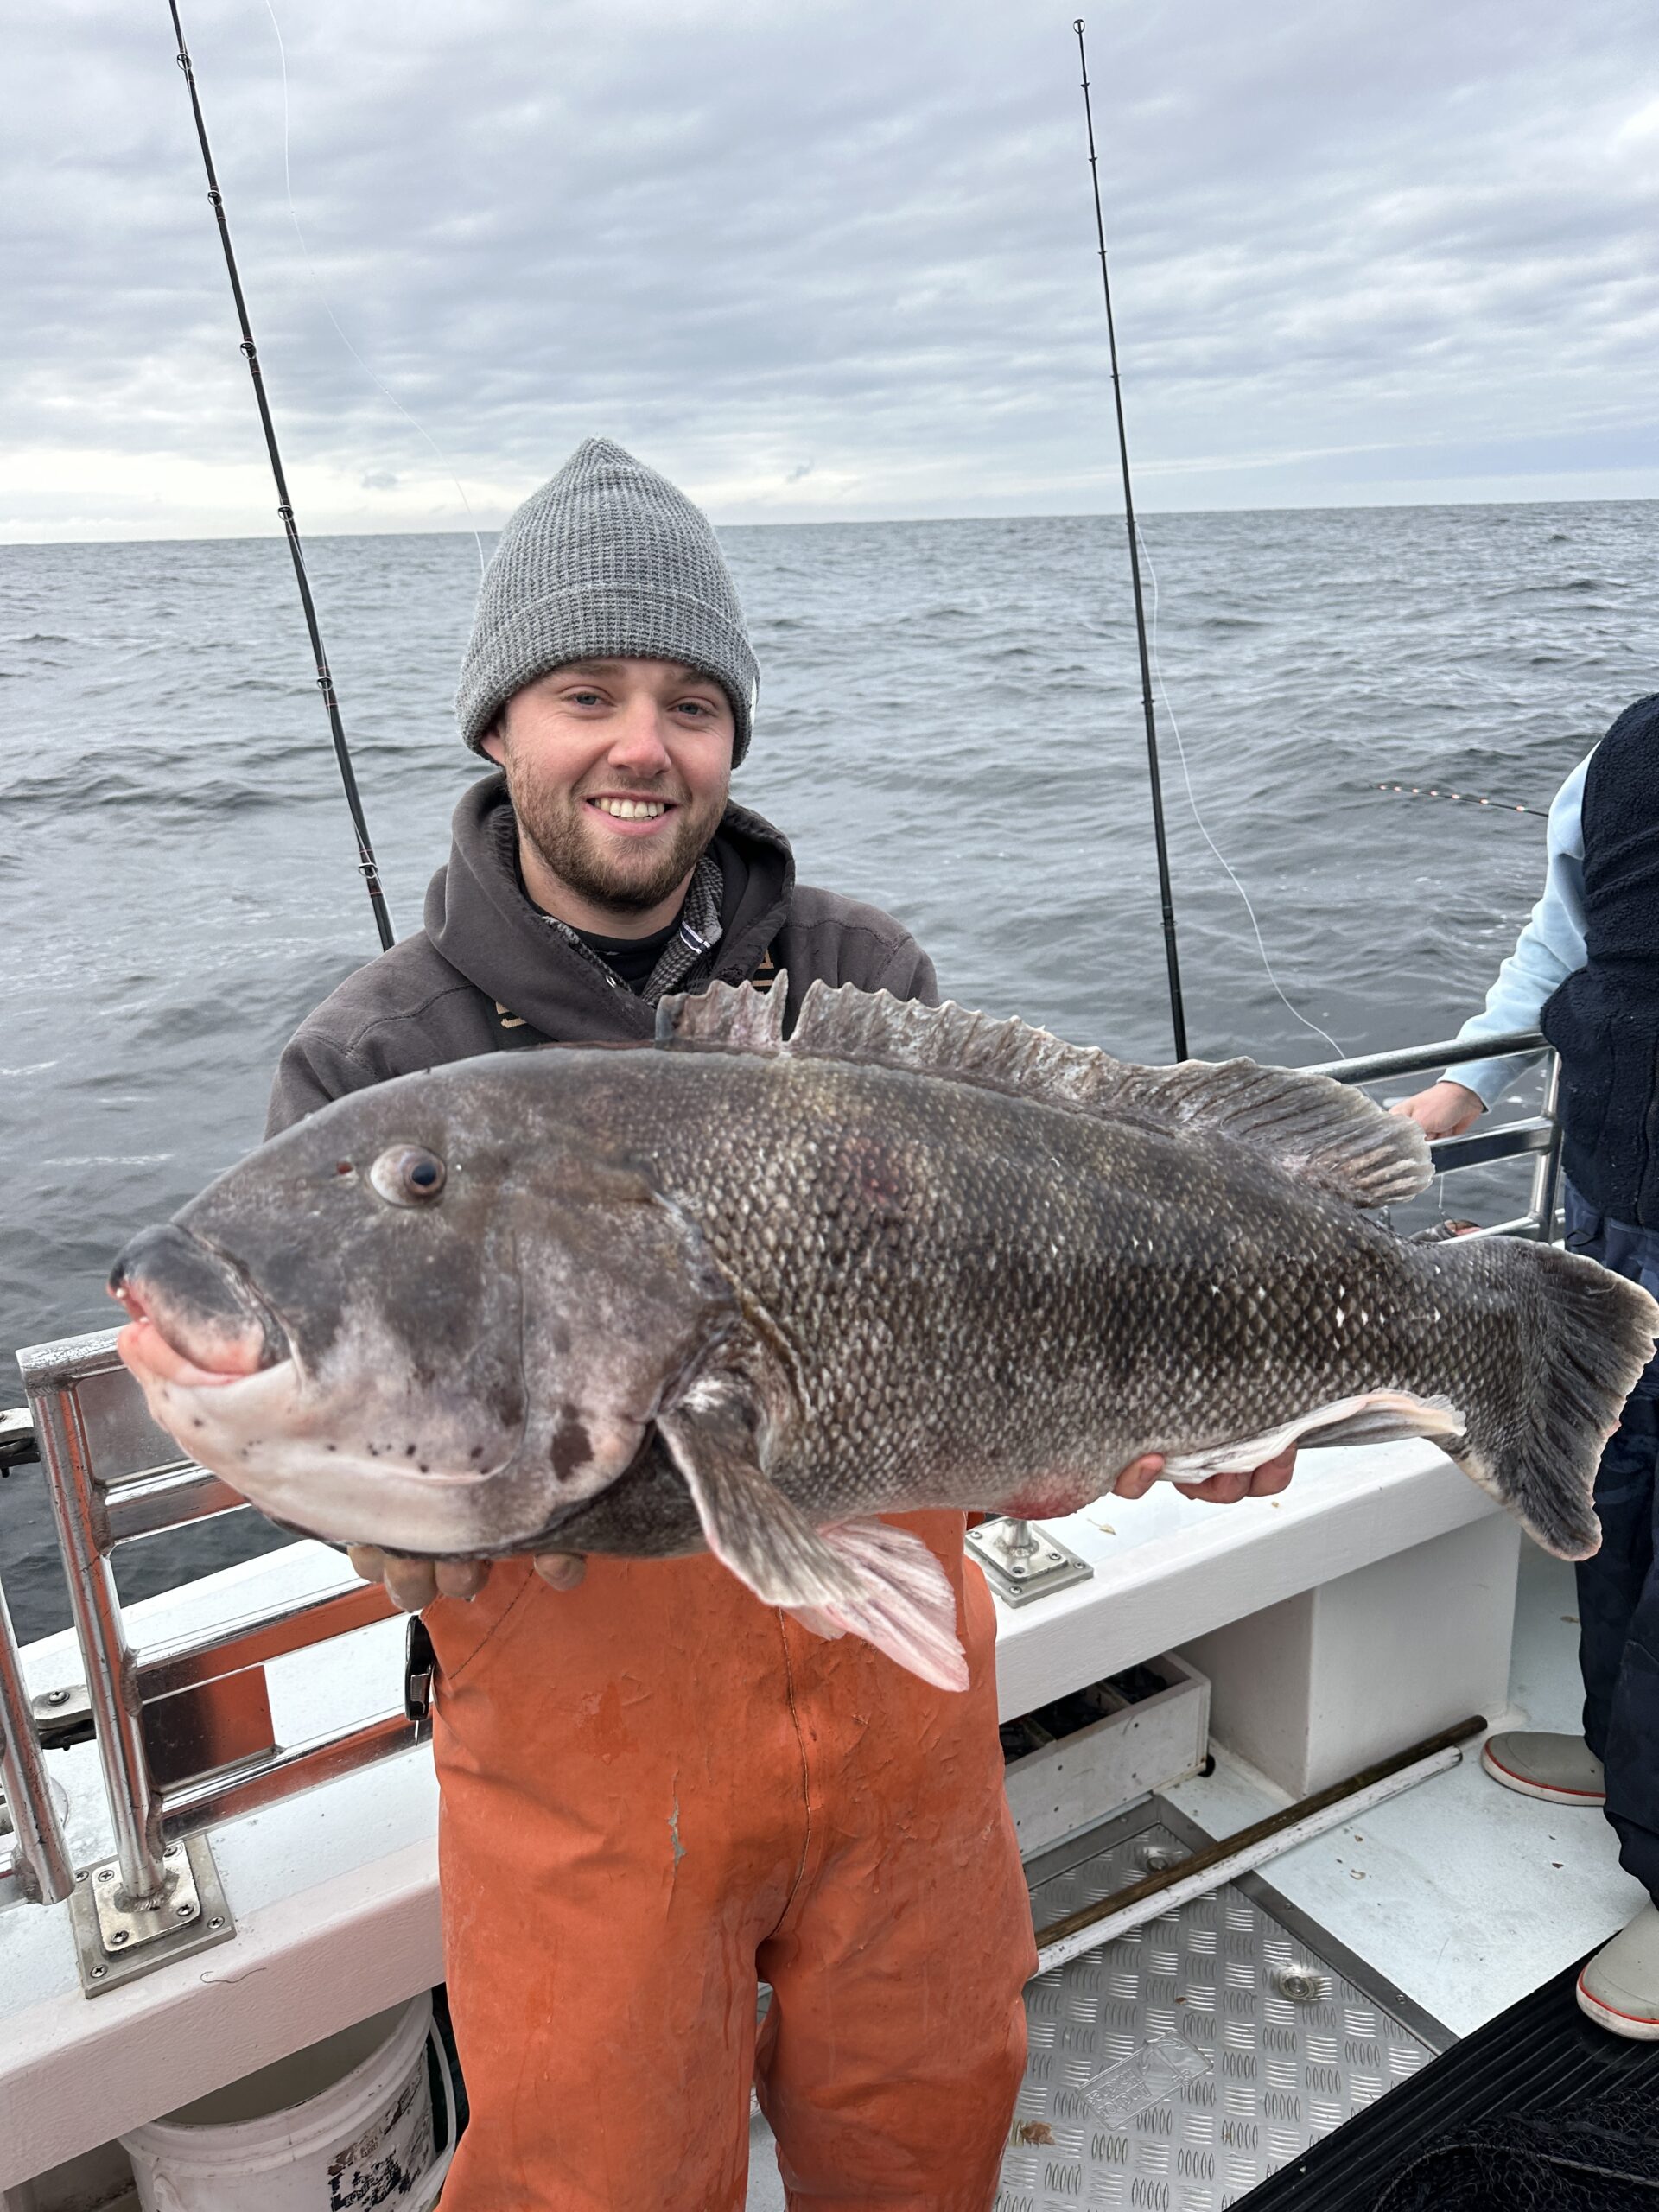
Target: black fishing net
column 1598, row 2155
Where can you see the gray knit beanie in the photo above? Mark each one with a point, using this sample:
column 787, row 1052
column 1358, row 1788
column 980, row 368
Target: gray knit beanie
column 607, row 561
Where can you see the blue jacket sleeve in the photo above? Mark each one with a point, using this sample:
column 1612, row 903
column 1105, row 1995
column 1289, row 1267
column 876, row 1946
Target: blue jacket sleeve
column 1546, row 952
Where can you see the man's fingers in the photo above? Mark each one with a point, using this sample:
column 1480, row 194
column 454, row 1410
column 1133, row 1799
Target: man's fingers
column 368, row 1561
column 413, row 1583
column 1266, row 1481
column 1217, row 1490
column 561, row 1570
column 1272, row 1475
column 463, row 1577
column 1138, row 1477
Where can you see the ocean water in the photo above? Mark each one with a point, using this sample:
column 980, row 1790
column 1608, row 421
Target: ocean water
column 950, row 726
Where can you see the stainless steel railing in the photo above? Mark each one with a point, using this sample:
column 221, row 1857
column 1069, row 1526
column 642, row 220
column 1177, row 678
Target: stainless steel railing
column 1538, row 1137
column 183, row 1730
column 41, row 1865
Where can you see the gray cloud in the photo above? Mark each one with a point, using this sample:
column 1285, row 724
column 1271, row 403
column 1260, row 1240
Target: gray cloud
column 1358, row 250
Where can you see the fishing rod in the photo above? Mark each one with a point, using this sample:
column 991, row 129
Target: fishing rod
column 1172, row 956
column 365, row 859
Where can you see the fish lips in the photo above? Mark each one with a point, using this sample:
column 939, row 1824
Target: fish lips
column 199, row 1307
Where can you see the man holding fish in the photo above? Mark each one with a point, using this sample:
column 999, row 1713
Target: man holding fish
column 666, row 1746
column 757, row 1314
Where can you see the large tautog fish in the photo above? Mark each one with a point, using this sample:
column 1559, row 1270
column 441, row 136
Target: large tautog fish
column 757, row 1292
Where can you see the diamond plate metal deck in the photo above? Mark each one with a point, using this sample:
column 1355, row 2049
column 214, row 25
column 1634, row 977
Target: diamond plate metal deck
column 1121, row 2117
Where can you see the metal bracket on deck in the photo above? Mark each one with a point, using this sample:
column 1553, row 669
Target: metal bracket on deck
column 63, row 1717
column 117, row 1939
column 1022, row 1562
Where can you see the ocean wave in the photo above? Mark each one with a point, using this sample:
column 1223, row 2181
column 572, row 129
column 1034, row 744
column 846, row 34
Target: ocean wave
column 108, row 1159
column 155, row 797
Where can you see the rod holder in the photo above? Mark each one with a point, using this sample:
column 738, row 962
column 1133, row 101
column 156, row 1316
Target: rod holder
column 1022, row 1562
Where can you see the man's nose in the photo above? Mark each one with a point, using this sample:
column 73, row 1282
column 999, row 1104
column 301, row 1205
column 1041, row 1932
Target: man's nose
column 637, row 740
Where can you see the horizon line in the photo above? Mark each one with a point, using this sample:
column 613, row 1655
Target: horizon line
column 884, row 522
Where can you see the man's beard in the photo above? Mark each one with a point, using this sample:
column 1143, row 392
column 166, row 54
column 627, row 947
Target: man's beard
column 627, row 883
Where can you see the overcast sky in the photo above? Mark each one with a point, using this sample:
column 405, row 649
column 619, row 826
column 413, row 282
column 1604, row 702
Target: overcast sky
column 822, row 258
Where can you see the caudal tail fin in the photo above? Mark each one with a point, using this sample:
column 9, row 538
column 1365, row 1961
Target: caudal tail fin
column 1533, row 1438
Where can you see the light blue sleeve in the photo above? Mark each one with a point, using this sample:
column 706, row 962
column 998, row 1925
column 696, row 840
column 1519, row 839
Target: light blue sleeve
column 1546, row 953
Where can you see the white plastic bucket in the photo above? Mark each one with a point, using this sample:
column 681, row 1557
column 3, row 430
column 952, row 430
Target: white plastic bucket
column 341, row 2127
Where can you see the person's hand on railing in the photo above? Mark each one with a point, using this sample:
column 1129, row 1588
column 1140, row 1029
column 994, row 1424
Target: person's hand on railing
column 1444, row 1109
column 1265, row 1481
column 412, row 1583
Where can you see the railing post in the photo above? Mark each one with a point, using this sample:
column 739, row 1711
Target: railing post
column 112, row 1674
column 1546, row 1174
column 43, row 1870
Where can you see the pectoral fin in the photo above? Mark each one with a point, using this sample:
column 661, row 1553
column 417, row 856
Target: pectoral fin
column 860, row 1577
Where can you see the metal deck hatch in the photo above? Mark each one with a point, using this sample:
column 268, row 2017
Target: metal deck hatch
column 1175, row 2068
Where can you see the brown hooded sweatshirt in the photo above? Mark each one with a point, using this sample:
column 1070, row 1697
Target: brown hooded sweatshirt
column 487, row 951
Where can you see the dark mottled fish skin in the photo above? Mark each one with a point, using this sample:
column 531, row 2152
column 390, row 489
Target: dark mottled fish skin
column 646, row 1513
column 745, row 1292
column 969, row 1300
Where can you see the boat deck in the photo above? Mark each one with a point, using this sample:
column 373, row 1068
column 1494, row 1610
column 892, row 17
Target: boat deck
column 1458, row 1895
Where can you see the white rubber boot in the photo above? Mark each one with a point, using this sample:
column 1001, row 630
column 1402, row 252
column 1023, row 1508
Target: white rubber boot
column 1562, row 1770
column 1619, row 1988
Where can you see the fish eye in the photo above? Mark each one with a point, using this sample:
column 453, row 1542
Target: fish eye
column 408, row 1175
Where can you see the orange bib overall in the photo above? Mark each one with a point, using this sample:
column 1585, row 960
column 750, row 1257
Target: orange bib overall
column 656, row 1790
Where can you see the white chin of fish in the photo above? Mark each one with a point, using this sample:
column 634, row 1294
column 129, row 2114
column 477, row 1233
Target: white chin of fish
column 293, row 1461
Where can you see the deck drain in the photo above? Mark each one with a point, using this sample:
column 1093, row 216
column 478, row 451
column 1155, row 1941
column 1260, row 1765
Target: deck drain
column 1301, row 1985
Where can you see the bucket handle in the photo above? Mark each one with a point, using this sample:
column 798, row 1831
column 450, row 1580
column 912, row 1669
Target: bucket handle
column 430, row 2185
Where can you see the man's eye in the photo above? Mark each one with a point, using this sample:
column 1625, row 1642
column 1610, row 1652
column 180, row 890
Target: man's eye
column 585, row 698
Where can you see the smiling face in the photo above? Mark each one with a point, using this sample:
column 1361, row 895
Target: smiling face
column 618, row 773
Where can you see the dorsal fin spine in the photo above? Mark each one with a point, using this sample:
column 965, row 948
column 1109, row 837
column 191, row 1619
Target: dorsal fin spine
column 736, row 1017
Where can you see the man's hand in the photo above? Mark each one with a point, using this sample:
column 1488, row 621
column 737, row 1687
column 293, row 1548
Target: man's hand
column 1444, row 1109
column 412, row 1583
column 1265, row 1481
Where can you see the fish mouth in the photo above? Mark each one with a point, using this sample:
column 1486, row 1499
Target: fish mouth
column 193, row 1321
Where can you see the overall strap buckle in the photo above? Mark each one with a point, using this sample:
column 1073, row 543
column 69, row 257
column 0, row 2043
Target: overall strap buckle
column 420, row 1664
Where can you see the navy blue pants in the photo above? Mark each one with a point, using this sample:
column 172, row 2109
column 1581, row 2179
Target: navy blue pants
column 1618, row 1589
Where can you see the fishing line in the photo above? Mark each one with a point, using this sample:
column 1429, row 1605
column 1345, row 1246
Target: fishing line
column 1465, row 799
column 390, row 397
column 1192, row 800
column 367, row 866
